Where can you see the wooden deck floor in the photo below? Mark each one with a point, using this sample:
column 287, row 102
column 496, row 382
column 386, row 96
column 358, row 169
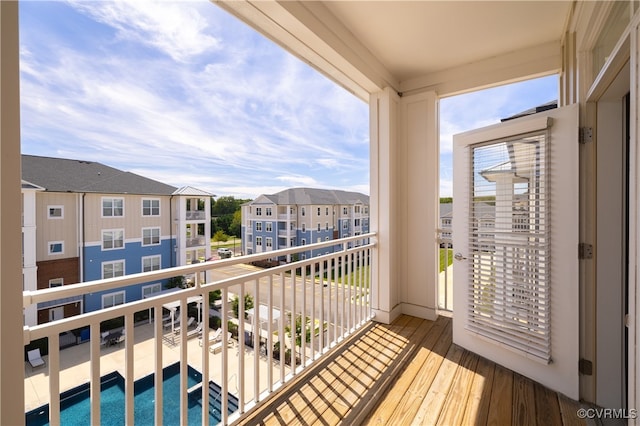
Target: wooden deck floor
column 409, row 373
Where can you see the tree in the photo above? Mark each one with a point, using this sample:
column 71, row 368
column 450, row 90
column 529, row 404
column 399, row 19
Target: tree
column 235, row 228
column 220, row 236
column 235, row 304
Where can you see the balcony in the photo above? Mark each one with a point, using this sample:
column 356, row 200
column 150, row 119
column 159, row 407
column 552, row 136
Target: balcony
column 196, row 215
column 196, row 242
column 410, row 373
column 303, row 311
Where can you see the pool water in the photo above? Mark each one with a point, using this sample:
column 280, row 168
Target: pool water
column 75, row 408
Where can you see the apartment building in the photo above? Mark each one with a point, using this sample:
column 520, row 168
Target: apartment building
column 85, row 221
column 301, row 216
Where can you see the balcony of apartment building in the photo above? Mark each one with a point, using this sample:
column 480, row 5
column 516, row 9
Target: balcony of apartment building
column 195, row 215
column 299, row 346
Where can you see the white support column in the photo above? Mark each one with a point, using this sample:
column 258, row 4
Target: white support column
column 417, row 202
column 11, row 334
column 383, row 107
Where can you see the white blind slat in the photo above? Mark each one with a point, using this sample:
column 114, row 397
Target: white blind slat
column 509, row 275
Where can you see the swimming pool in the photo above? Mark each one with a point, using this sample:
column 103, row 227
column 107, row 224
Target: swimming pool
column 75, row 408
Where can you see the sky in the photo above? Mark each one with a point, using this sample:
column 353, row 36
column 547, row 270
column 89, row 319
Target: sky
column 184, row 93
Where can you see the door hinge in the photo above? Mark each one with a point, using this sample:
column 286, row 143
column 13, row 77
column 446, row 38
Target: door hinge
column 585, row 367
column 585, row 251
column 585, row 135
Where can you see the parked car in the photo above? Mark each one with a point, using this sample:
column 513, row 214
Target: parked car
column 225, row 253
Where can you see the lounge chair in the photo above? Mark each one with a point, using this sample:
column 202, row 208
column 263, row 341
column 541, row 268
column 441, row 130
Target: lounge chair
column 217, row 346
column 35, row 359
column 189, row 322
column 196, row 330
column 104, row 337
column 213, row 337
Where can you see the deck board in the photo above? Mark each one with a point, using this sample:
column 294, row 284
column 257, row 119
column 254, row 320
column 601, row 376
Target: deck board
column 409, row 373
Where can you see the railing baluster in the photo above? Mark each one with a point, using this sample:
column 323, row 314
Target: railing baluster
column 241, row 348
column 256, row 342
column 224, row 386
column 54, row 379
column 94, row 388
column 269, row 343
column 184, row 406
column 321, row 342
column 204, row 334
column 303, row 303
column 158, row 384
column 312, row 313
column 283, row 318
column 292, row 321
column 128, row 362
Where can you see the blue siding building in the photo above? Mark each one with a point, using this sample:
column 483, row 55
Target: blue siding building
column 302, row 216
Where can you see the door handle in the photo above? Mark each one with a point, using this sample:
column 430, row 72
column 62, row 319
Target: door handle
column 459, row 256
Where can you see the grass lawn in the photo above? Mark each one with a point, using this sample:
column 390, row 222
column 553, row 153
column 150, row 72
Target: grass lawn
column 443, row 253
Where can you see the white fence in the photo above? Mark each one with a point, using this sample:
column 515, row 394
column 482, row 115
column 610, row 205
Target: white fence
column 301, row 311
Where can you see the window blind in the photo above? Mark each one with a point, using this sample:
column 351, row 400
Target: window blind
column 509, row 261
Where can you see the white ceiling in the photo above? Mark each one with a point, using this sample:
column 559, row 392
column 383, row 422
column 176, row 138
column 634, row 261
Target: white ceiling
column 415, row 38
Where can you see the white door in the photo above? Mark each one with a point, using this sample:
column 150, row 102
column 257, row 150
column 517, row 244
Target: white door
column 515, row 239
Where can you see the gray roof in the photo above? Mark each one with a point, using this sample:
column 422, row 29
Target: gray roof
column 304, row 196
column 190, row 190
column 65, row 175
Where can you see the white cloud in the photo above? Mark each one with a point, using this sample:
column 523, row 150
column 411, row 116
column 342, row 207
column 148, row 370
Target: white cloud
column 175, row 28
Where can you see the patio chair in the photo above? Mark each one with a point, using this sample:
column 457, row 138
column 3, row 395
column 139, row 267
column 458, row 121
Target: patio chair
column 213, row 337
column 35, row 359
column 196, row 330
column 217, row 346
column 189, row 322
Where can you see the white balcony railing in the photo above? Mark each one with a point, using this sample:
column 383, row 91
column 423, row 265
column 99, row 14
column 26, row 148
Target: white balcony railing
column 196, row 241
column 196, row 215
column 319, row 302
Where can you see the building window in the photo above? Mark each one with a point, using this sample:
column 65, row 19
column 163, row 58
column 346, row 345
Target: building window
column 292, row 210
column 113, row 269
column 268, row 211
column 269, row 242
column 304, row 227
column 356, row 222
column 150, row 236
column 258, row 226
column 259, row 241
column 112, row 299
column 150, row 207
column 326, row 226
column 112, row 239
column 345, row 210
column 326, row 238
column 151, row 263
column 302, row 211
column 356, row 209
column 56, row 247
column 366, row 210
column 258, row 211
column 318, row 227
column 112, row 207
column 56, row 282
column 345, row 225
column 326, row 211
column 303, row 242
column 55, row 212
column 150, row 290
column 269, row 226
column 318, row 211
